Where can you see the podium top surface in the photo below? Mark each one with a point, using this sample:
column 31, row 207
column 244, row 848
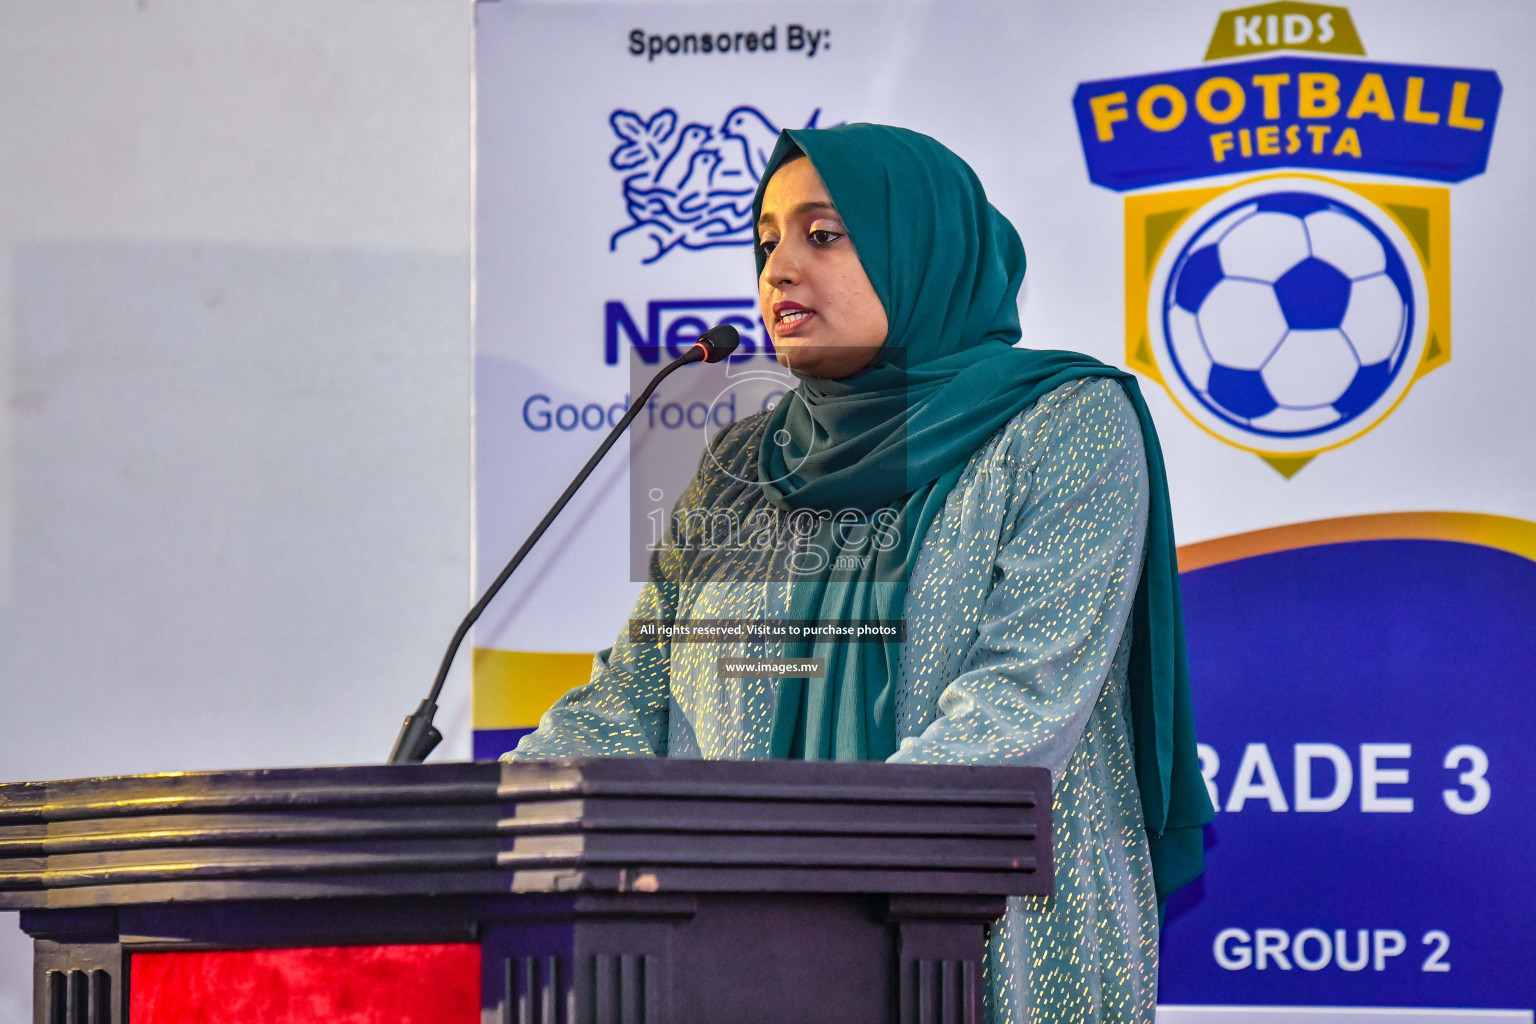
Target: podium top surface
column 619, row 824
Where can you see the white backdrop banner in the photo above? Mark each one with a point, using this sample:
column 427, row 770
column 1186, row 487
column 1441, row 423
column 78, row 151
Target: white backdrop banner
column 1307, row 227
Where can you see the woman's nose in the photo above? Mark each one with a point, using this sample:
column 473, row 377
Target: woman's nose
column 781, row 266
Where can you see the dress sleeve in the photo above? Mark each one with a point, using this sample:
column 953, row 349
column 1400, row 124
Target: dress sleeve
column 1063, row 582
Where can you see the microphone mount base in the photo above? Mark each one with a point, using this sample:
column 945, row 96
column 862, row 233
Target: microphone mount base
column 418, row 736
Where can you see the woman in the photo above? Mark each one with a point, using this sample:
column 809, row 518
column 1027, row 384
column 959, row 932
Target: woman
column 1008, row 504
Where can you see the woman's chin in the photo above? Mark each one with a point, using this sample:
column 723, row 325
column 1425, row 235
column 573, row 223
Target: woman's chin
column 803, row 355
column 817, row 361
column 811, row 367
column 794, row 354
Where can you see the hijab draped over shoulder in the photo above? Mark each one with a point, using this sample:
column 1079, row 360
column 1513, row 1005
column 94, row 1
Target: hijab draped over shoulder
column 874, row 455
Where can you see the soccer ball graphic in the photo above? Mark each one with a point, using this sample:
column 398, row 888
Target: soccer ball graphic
column 1289, row 314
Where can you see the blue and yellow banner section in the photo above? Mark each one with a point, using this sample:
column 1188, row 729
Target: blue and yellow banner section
column 1500, row 533
column 1361, row 684
column 1409, row 120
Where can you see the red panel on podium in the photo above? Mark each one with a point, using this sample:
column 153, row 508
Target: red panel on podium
column 408, row 984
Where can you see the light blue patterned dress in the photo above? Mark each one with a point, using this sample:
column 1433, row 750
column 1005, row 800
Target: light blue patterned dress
column 1017, row 648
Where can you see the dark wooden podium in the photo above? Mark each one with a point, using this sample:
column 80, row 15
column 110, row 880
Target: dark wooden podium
column 622, row 891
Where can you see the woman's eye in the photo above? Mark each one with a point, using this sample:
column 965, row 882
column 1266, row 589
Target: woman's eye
column 823, row 236
column 767, row 246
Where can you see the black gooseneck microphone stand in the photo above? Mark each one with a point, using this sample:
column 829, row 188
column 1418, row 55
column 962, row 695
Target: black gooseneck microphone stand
column 418, row 735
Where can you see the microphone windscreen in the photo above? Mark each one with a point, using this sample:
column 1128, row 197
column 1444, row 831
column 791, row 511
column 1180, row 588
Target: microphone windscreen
column 719, row 342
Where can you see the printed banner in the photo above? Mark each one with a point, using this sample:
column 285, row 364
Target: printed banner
column 1313, row 252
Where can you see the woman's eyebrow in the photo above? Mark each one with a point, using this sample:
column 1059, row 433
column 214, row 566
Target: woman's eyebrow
column 798, row 211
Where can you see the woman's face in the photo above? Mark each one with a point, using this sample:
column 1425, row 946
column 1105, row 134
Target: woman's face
column 824, row 316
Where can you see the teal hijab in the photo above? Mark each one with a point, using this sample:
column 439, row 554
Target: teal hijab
column 891, row 441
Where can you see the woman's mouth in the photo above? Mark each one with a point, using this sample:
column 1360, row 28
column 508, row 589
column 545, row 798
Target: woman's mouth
column 789, row 317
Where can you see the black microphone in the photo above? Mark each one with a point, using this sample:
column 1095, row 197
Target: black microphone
column 717, row 343
column 418, row 735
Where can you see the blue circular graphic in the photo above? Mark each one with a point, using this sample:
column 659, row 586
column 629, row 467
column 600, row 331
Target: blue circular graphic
column 1289, row 314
